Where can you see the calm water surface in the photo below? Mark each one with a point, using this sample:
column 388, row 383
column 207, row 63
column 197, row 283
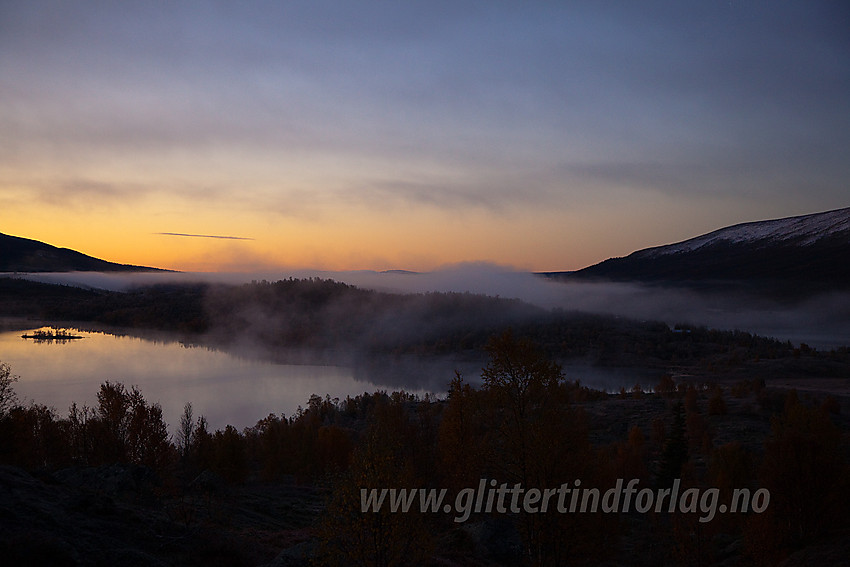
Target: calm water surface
column 226, row 389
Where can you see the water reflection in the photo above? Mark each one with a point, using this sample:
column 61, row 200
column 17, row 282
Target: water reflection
column 224, row 388
column 51, row 336
column 237, row 388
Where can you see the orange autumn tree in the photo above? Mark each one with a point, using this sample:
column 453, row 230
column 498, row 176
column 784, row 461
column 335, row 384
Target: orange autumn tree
column 537, row 439
column 124, row 428
column 806, row 472
column 461, row 434
column 383, row 459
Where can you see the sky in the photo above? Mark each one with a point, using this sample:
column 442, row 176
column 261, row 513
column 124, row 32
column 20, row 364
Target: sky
column 413, row 135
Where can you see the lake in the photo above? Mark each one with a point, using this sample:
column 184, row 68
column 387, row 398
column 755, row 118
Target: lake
column 227, row 389
column 224, row 387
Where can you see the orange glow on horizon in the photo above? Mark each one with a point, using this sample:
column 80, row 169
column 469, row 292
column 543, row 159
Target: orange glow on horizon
column 422, row 242
column 337, row 237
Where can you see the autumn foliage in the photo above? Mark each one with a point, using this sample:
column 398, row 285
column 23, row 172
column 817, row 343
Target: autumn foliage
column 526, row 423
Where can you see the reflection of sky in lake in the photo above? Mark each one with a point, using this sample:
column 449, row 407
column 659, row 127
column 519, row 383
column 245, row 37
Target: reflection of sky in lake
column 228, row 389
column 224, row 388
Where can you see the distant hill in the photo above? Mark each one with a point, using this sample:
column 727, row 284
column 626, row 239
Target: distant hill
column 809, row 250
column 24, row 255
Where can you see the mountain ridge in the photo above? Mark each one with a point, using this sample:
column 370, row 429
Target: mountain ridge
column 804, row 230
column 810, row 250
column 18, row 254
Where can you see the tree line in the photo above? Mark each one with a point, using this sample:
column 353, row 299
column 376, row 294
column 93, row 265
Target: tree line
column 525, row 424
column 324, row 314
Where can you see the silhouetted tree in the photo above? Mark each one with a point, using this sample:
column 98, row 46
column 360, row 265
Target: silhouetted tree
column 632, row 456
column 730, row 468
column 231, row 460
column 147, row 433
column 522, row 383
column 124, row 428
column 675, row 451
column 185, row 435
column 716, row 404
column 273, row 437
column 806, row 472
column 202, row 453
column 461, row 436
column 112, row 422
column 80, row 435
column 383, row 459
column 33, row 438
column 8, row 398
column 666, row 386
column 537, row 439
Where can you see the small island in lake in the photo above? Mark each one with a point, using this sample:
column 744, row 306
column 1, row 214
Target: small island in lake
column 50, row 335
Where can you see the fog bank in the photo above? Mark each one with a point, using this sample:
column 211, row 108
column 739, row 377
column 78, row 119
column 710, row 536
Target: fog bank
column 822, row 321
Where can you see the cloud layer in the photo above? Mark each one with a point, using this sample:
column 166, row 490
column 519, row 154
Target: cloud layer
column 331, row 117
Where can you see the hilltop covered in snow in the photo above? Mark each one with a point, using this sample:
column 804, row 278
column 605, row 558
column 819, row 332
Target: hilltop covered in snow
column 800, row 231
column 801, row 255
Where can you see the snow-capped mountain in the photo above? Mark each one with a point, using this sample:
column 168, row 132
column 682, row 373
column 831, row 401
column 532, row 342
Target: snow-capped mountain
column 812, row 250
column 801, row 231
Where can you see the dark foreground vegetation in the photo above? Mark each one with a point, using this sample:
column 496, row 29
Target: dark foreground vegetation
column 108, row 485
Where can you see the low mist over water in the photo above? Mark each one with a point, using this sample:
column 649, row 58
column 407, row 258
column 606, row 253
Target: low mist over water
column 822, row 321
column 236, row 388
column 224, row 388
